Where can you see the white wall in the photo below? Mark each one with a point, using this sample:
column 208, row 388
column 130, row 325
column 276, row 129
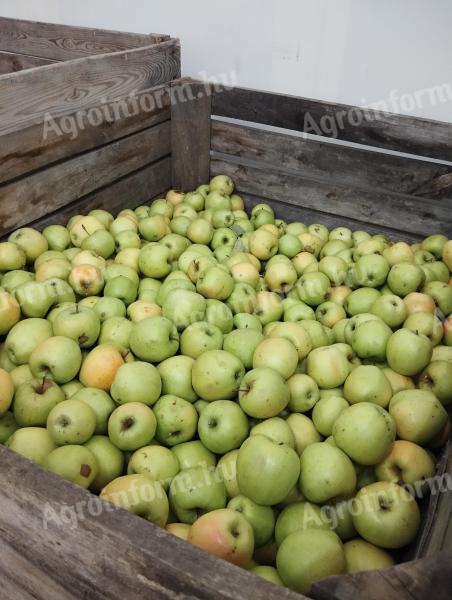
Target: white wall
column 351, row 51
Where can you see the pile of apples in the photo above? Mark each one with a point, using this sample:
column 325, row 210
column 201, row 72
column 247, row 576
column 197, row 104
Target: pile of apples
column 271, row 392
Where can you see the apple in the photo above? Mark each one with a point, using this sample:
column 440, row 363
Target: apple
column 200, row 337
column 361, row 300
column 227, row 471
column 155, row 260
column 263, row 393
column 266, row 471
column 136, row 382
column 442, row 294
column 442, row 353
column 195, row 491
column 6, row 391
column 57, row 237
column 398, row 382
column 308, row 555
column 371, row 270
column 408, row 352
column 59, row 268
column 110, row 461
column 289, row 245
column 261, row 518
column 83, row 228
column 299, row 516
column 71, row 422
column 328, row 366
column 437, row 378
column 326, row 473
column 447, row 340
column 154, row 339
column 417, row 301
column 69, row 389
column 434, row 244
column 275, row 429
column 243, row 299
column 277, row 353
column 8, row 426
column 222, row 426
column 217, row 375
column 140, row 495
column 106, row 308
column 12, row 279
column 34, row 299
column 194, row 454
column 363, row 556
column 33, row 401
column 222, row 184
column 183, row 307
column 386, row 515
column 268, row 573
column 365, row 432
column 33, row 443
column 304, row 393
column 157, row 462
column 405, row 278
column 180, row 530
column 74, row 463
column 326, row 411
column 176, row 377
column 329, row 313
column 132, row 426
column 447, row 254
column 313, row 288
column 368, row 383
column 122, row 288
column 407, row 463
column 427, row 324
column 398, row 252
column 418, row 414
column 101, row 242
column 263, row 244
column 177, row 420
column 32, row 242
column 243, row 343
column 79, row 324
column 58, row 358
column 304, row 431
column 100, row 403
column 391, row 309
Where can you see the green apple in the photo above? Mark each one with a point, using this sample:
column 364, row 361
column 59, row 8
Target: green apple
column 176, row 376
column 276, row 353
column 361, row 300
column 116, row 330
column 106, row 308
column 442, row 294
column 263, row 393
column 74, row 463
column 299, row 516
column 296, row 334
column 447, row 254
column 318, row 333
column 12, row 279
column 304, row 431
column 268, row 573
column 156, row 461
column 437, row 378
column 243, row 299
column 326, row 473
column 154, row 339
column 261, row 518
column 371, row 270
column 216, row 375
column 8, row 425
column 132, row 426
column 100, row 403
column 268, row 307
column 266, row 471
column 70, row 388
column 194, row 454
column 386, row 515
column 368, row 383
column 308, row 555
column 275, row 429
column 183, row 307
column 328, row 366
column 243, row 343
column 289, row 245
column 405, row 278
column 365, row 432
column 100, row 242
column 363, row 556
column 79, row 324
column 34, row 443
column 326, row 411
column 32, row 242
column 427, row 324
column 110, row 461
column 34, row 299
column 221, row 183
column 195, row 491
column 222, row 426
column 407, row 463
column 370, row 340
column 399, row 252
column 177, row 420
column 304, row 393
column 155, row 260
column 391, row 309
column 313, row 288
column 408, row 352
column 418, row 415
column 398, row 382
column 219, row 314
column 71, row 422
column 122, row 288
column 247, row 321
column 34, row 399
column 58, row 358
column 200, row 337
column 136, row 382
column 227, row 471
column 12, row 257
column 140, row 495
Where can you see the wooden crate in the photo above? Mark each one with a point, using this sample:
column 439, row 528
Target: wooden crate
column 76, row 73
column 107, row 553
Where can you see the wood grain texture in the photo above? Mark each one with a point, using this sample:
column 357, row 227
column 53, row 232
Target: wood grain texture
column 393, row 211
column 351, row 166
column 65, row 88
column 65, row 42
column 113, row 556
column 33, row 147
column 190, row 133
column 11, row 62
column 59, row 185
column 384, row 130
column 130, row 191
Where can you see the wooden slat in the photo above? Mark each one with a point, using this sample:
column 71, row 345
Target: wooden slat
column 10, row 62
column 61, row 184
column 190, row 134
column 113, row 555
column 65, row 42
column 64, row 88
column 130, row 191
column 351, row 166
column 26, row 150
column 384, row 130
column 394, row 211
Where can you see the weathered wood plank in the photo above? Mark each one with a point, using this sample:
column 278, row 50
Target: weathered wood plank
column 351, row 166
column 65, row 88
column 190, row 134
column 384, row 130
column 10, row 62
column 129, row 192
column 113, row 555
column 394, row 211
column 50, row 189
column 294, row 212
column 41, row 145
column 65, row 42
